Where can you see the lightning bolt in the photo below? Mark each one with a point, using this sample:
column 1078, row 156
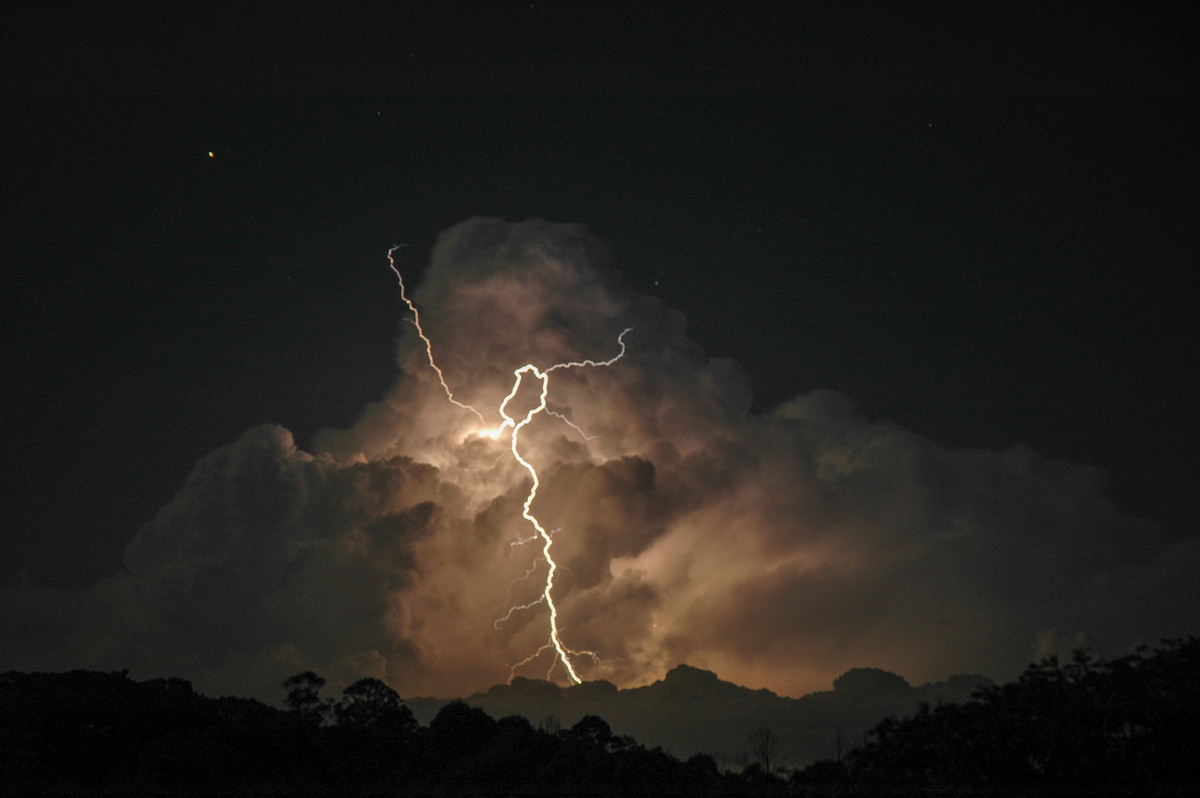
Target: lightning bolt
column 530, row 371
column 416, row 320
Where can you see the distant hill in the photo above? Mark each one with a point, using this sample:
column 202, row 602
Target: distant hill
column 693, row 711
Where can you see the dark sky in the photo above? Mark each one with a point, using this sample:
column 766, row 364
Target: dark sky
column 979, row 224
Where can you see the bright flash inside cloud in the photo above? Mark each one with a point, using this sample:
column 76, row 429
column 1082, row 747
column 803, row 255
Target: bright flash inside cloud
column 562, row 653
column 778, row 550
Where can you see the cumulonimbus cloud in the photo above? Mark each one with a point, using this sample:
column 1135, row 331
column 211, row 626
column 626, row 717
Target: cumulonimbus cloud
column 778, row 550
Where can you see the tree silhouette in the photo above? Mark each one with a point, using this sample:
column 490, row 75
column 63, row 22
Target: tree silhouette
column 1129, row 723
column 594, row 729
column 1125, row 726
column 371, row 704
column 764, row 746
column 515, row 754
column 461, row 730
column 303, row 696
column 582, row 755
column 372, row 740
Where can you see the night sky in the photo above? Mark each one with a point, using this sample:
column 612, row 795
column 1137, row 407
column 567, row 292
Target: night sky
column 976, row 226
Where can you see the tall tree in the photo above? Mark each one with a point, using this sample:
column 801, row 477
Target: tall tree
column 371, row 704
column 304, row 696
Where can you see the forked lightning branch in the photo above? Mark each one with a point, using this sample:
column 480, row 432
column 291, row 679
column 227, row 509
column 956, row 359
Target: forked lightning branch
column 508, row 422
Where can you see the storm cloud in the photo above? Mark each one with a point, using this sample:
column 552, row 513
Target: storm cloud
column 778, row 550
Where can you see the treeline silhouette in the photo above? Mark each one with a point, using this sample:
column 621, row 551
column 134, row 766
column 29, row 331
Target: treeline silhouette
column 91, row 732
column 1124, row 726
column 1128, row 726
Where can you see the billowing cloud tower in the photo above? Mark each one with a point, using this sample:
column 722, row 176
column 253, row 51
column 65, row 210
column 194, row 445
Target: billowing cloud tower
column 777, row 550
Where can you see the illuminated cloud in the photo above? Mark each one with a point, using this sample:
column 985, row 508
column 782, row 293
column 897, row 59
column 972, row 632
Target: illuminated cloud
column 777, row 550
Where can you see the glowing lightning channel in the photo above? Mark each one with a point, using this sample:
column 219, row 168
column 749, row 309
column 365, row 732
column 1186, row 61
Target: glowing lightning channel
column 563, row 653
column 416, row 320
column 547, row 540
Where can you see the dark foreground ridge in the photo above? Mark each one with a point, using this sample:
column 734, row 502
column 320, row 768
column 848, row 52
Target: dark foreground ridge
column 691, row 711
column 1129, row 726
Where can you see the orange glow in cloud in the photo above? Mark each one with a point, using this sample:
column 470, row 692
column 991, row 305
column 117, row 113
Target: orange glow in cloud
column 562, row 652
column 632, row 506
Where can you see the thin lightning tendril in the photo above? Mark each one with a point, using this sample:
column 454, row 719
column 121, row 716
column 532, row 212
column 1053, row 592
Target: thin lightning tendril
column 528, row 573
column 563, row 653
column 416, row 320
column 572, row 424
column 516, row 608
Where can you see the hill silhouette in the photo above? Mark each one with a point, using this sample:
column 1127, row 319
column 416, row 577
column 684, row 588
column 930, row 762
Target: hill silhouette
column 692, row 711
column 1128, row 726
